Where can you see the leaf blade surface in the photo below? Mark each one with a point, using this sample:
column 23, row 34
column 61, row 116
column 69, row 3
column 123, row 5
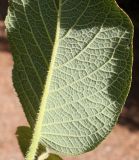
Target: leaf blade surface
column 89, row 63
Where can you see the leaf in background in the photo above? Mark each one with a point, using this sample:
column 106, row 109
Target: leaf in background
column 54, row 157
column 72, row 66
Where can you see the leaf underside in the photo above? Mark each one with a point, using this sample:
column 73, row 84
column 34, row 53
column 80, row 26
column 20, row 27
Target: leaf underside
column 83, row 66
column 24, row 135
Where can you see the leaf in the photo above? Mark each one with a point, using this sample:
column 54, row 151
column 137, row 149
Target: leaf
column 24, row 135
column 72, row 68
column 53, row 157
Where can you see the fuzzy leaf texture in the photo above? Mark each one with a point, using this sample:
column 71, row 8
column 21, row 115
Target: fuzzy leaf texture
column 72, row 69
column 24, row 135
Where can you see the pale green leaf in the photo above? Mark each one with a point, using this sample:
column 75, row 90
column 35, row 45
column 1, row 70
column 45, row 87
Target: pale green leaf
column 24, row 135
column 72, row 68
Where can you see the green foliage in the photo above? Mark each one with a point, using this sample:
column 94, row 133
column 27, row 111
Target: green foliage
column 72, row 70
column 24, row 135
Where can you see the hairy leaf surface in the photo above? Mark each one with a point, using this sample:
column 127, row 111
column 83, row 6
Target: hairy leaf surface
column 72, row 68
column 24, row 135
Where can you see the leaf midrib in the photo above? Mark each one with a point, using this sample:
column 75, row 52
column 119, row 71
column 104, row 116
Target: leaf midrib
column 37, row 130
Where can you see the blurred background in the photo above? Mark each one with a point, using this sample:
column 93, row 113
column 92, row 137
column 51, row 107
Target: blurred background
column 121, row 144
